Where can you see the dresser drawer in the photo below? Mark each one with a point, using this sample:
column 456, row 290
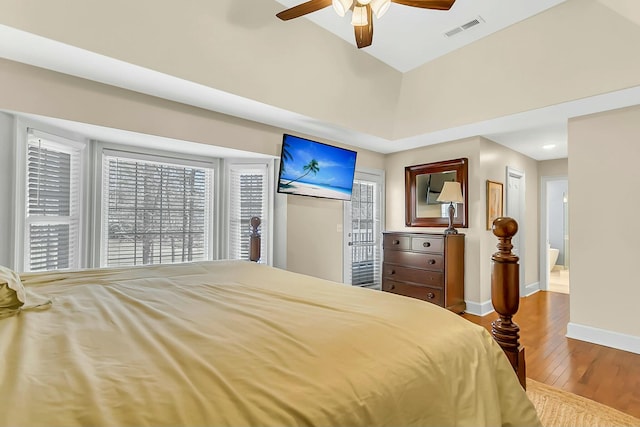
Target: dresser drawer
column 420, row 292
column 406, row 274
column 428, row 266
column 415, row 259
column 396, row 242
column 427, row 244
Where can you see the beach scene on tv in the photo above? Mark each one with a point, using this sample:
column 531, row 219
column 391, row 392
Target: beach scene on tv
column 311, row 168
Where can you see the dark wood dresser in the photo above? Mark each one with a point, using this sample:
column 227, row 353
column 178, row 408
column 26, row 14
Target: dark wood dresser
column 425, row 266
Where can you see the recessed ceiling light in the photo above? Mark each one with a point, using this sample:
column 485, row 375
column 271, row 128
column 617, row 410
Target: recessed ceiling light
column 549, row 146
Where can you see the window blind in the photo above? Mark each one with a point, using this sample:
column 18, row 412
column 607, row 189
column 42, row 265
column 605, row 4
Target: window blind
column 156, row 212
column 247, row 198
column 53, row 204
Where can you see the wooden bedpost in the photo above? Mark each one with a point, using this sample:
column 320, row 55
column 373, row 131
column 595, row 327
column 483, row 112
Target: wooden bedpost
column 505, row 296
column 254, row 241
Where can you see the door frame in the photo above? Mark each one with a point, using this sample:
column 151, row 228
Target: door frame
column 518, row 174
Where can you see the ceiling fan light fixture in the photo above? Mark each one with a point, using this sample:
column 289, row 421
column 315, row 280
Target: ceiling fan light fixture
column 359, row 16
column 341, row 6
column 380, row 7
column 364, row 2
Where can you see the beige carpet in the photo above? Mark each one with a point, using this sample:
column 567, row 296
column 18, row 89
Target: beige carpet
column 560, row 408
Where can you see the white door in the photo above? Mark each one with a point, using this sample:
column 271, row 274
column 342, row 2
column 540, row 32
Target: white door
column 516, row 210
column 363, row 230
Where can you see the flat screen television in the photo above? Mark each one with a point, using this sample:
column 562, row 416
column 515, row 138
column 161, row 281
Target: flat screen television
column 311, row 168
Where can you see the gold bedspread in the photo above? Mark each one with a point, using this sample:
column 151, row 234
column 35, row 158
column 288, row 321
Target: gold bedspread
column 236, row 343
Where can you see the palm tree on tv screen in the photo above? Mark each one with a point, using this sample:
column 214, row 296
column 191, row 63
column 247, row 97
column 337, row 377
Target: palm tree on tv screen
column 312, row 166
column 286, row 156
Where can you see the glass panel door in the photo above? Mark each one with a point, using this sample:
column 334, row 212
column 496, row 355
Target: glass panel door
column 363, row 231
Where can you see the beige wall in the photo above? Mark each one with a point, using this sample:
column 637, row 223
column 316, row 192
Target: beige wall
column 313, row 245
column 575, row 50
column 235, row 46
column 494, row 160
column 556, row 167
column 487, row 160
column 314, row 228
column 604, row 247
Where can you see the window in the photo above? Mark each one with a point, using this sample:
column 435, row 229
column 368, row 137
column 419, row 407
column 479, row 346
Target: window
column 248, row 197
column 155, row 210
column 133, row 205
column 53, row 212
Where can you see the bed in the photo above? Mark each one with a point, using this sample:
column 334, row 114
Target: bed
column 237, row 343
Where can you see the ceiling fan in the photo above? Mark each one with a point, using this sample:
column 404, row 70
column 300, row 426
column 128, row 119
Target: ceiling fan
column 362, row 12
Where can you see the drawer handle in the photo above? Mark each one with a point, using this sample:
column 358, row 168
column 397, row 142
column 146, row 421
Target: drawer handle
column 431, row 295
column 392, row 287
column 426, row 244
column 431, row 261
column 392, row 272
column 396, row 242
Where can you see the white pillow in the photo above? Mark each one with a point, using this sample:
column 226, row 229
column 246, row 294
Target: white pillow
column 12, row 293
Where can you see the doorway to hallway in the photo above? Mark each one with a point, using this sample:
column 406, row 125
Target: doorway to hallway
column 554, row 234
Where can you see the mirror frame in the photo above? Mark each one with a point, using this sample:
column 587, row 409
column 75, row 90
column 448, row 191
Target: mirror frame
column 460, row 166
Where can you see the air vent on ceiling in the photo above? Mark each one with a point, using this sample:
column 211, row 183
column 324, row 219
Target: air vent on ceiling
column 463, row 27
column 453, row 32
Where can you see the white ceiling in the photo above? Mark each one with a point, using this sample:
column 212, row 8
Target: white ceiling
column 526, row 132
column 407, row 37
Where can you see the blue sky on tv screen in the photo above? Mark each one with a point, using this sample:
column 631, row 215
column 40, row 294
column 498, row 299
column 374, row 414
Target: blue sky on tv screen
column 336, row 166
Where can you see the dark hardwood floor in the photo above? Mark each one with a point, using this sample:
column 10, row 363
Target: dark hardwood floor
column 603, row 374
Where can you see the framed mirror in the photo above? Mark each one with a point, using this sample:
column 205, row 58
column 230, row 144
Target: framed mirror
column 423, row 184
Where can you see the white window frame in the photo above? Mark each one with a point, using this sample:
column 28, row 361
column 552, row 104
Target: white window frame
column 90, row 208
column 66, row 144
column 99, row 254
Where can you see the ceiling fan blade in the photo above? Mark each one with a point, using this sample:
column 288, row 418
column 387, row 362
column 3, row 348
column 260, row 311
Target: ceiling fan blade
column 303, row 9
column 364, row 33
column 427, row 4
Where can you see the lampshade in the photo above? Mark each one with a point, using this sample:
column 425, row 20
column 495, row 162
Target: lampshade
column 341, row 6
column 359, row 17
column 380, row 7
column 451, row 193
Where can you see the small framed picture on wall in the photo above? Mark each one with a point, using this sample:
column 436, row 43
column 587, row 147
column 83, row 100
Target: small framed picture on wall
column 494, row 202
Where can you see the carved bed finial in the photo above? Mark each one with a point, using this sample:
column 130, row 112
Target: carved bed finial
column 254, row 241
column 505, row 295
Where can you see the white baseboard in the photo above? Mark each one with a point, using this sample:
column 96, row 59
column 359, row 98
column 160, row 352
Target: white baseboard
column 479, row 309
column 482, row 309
column 603, row 337
column 531, row 289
